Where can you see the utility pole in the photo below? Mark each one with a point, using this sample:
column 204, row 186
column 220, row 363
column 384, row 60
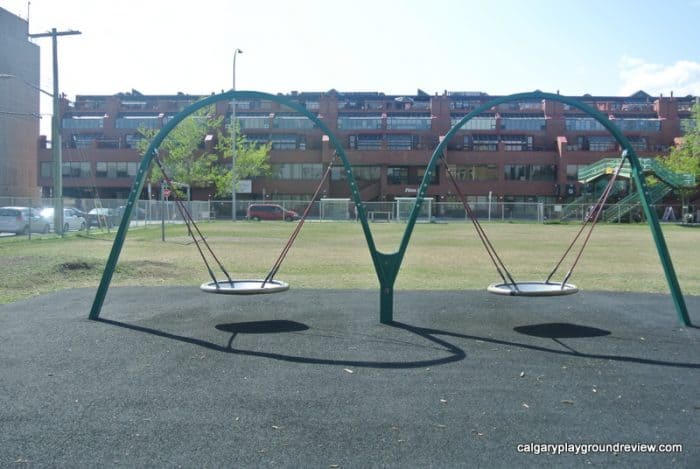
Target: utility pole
column 56, row 146
column 233, row 140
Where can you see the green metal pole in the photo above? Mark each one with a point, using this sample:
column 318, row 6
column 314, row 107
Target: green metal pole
column 661, row 247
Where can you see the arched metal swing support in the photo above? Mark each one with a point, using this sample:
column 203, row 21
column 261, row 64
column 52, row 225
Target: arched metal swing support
column 387, row 265
column 637, row 175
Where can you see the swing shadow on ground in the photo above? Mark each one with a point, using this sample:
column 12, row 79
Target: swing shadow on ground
column 552, row 331
column 559, row 330
column 279, row 326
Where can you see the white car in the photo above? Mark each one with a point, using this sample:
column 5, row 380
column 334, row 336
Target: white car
column 72, row 220
column 20, row 220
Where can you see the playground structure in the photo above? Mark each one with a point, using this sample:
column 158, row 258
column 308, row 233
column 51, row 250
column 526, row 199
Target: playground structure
column 592, row 174
column 387, row 265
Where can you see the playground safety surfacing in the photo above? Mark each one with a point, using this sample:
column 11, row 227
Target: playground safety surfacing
column 171, row 377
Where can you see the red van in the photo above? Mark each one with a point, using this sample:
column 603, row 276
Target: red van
column 270, row 212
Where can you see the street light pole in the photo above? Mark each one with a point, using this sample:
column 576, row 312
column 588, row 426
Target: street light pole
column 233, row 140
column 56, row 147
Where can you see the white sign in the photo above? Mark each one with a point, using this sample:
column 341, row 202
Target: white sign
column 245, row 186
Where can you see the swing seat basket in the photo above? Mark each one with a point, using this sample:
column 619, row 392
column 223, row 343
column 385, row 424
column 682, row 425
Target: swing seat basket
column 244, row 287
column 533, row 289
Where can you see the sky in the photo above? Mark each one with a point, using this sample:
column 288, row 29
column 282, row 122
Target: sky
column 600, row 47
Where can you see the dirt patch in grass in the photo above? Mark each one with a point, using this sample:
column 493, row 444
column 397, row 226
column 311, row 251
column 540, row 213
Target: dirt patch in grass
column 76, row 266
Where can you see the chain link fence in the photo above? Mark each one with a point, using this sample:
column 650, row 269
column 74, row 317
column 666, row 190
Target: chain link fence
column 147, row 212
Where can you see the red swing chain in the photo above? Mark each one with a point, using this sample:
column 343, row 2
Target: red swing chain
column 497, row 261
column 189, row 222
column 592, row 218
column 297, row 229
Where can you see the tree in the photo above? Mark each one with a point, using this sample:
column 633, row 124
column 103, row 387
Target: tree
column 252, row 159
column 183, row 152
column 184, row 155
column 685, row 158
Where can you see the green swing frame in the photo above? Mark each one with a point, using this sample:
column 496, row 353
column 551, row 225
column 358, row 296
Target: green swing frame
column 387, row 265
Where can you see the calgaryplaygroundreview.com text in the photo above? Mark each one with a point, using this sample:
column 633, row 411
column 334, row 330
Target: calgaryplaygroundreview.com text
column 589, row 448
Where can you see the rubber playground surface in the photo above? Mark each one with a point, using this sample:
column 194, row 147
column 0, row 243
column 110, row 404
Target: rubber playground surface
column 172, row 377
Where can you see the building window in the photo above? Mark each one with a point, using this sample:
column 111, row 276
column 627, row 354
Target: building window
column 638, row 125
column 115, row 169
column 284, row 141
column 90, row 104
column 101, row 169
column 361, row 173
column 583, row 124
column 293, row 122
column 122, row 171
column 517, row 142
column 136, row 122
column 254, row 122
column 397, row 175
column 367, row 142
column 257, row 139
column 476, row 123
column 572, row 171
column 408, row 123
column 535, row 172
column 83, row 122
column 603, row 143
column 535, row 124
column 84, row 140
column 132, row 140
column 515, row 172
column 76, row 169
column 484, row 142
column 399, row 142
column 475, row 172
column 297, row 171
column 543, row 172
column 360, row 123
column 638, row 143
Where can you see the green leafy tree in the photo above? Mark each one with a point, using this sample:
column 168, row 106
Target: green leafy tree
column 184, row 156
column 686, row 157
column 252, row 159
column 183, row 152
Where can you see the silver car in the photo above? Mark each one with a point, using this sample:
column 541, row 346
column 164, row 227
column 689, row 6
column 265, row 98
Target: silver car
column 72, row 219
column 21, row 220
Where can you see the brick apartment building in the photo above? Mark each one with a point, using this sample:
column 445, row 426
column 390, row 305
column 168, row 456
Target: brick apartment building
column 519, row 151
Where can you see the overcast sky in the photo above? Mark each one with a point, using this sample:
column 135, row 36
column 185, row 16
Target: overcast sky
column 601, row 47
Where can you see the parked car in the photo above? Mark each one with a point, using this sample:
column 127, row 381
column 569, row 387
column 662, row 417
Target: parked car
column 72, row 219
column 137, row 213
column 270, row 212
column 103, row 217
column 21, row 220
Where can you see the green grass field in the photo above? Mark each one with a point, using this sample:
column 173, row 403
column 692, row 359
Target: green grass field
column 335, row 255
